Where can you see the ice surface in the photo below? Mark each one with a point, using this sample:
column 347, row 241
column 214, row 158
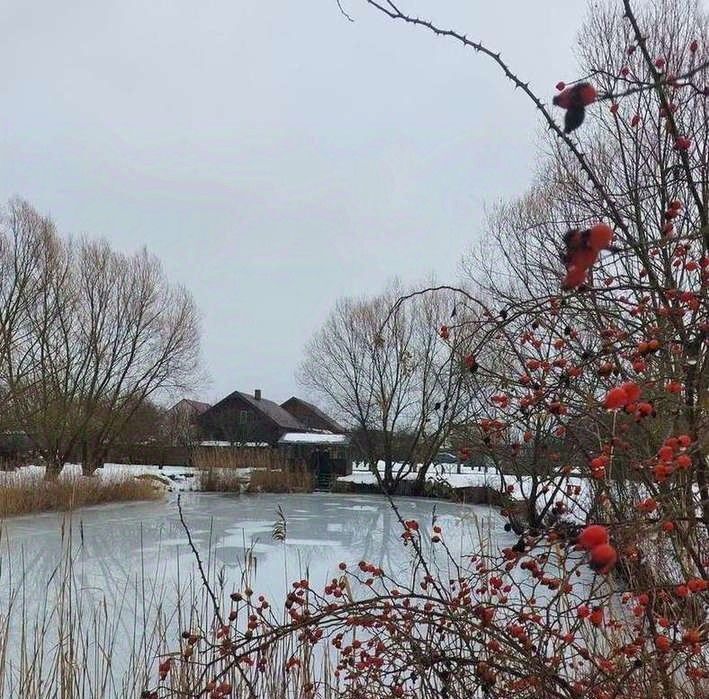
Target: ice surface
column 119, row 551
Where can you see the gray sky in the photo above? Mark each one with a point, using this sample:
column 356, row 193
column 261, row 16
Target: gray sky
column 272, row 154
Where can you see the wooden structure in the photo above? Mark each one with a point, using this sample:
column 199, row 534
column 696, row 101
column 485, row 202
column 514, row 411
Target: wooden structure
column 326, row 454
column 243, row 418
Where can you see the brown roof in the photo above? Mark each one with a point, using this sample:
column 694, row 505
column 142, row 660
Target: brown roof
column 314, row 409
column 272, row 410
column 196, row 405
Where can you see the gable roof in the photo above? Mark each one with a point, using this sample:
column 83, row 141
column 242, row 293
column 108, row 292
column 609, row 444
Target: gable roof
column 272, row 411
column 196, row 405
column 315, row 410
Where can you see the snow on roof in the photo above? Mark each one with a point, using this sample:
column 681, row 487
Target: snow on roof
column 222, row 443
column 313, row 438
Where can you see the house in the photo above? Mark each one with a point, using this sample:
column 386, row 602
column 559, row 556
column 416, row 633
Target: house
column 181, row 421
column 311, row 416
column 298, row 429
column 241, row 417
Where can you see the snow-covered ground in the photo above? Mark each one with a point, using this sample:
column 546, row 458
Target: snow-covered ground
column 437, row 472
column 574, row 491
column 173, row 477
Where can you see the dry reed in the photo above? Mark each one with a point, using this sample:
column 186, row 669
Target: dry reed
column 21, row 494
column 223, row 480
column 238, row 457
column 293, row 480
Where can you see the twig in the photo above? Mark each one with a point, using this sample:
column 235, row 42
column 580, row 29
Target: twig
column 342, row 11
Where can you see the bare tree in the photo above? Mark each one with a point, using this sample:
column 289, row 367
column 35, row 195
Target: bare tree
column 648, row 286
column 390, row 371
column 90, row 336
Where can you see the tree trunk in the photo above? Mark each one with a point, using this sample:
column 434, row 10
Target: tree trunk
column 92, row 461
column 420, row 483
column 53, row 468
column 90, row 466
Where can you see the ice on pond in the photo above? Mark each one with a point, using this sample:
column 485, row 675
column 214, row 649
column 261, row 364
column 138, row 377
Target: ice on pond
column 132, row 557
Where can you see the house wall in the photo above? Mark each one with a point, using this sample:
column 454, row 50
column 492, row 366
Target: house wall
column 234, row 420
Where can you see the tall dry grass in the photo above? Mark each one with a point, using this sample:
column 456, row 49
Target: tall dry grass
column 251, row 470
column 66, row 639
column 293, row 480
column 238, row 457
column 22, row 494
column 223, row 480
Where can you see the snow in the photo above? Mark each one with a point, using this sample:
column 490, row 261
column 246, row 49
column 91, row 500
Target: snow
column 448, row 473
column 235, row 445
column 577, row 505
column 175, row 477
column 313, row 438
column 455, row 480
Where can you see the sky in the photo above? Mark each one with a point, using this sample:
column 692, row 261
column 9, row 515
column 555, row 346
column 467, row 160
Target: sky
column 274, row 155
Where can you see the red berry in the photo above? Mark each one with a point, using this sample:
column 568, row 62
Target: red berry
column 616, row 398
column 662, row 643
column 591, row 536
column 683, row 461
column 596, row 617
column 600, row 237
column 587, row 94
column 632, row 390
column 603, row 558
column 697, row 585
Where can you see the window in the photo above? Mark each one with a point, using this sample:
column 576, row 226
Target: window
column 244, row 416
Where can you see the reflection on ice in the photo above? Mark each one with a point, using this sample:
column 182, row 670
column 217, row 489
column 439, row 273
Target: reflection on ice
column 133, row 557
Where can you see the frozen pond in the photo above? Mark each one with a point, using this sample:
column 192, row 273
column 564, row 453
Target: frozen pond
column 115, row 543
column 126, row 560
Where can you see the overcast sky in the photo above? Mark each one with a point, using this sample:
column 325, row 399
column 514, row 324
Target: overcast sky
column 272, row 154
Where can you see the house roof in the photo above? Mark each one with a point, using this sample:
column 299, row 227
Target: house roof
column 223, row 443
column 314, row 409
column 313, row 438
column 196, row 405
column 271, row 410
